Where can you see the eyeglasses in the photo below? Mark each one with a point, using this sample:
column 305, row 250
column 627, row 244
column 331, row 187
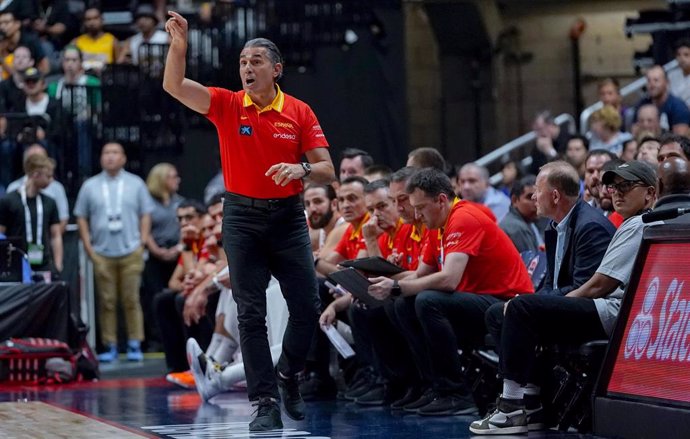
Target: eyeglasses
column 623, row 187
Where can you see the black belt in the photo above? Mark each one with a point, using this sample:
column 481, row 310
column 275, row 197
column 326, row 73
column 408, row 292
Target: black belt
column 262, row 203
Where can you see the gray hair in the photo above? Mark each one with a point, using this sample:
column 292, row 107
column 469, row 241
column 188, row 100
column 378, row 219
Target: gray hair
column 271, row 50
column 483, row 172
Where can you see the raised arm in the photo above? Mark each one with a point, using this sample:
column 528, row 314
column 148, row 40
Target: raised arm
column 190, row 93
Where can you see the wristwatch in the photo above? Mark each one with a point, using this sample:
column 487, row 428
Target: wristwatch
column 307, row 168
column 396, row 291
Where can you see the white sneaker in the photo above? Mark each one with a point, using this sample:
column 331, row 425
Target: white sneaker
column 206, row 372
column 509, row 417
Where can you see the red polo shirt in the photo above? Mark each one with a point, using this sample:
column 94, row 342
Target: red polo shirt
column 494, row 265
column 252, row 140
column 352, row 240
column 406, row 241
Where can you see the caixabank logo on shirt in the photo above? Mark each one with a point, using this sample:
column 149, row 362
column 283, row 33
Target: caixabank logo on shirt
column 245, row 130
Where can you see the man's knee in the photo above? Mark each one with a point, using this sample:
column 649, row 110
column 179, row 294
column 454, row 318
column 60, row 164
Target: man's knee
column 427, row 302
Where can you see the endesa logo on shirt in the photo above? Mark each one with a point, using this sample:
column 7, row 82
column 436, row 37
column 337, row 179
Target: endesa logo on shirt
column 654, row 355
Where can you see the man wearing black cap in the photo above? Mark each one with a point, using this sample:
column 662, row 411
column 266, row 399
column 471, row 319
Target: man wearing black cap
column 586, row 313
column 146, row 21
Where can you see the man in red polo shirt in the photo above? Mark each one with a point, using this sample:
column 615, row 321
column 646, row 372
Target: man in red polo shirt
column 352, row 208
column 468, row 265
column 263, row 134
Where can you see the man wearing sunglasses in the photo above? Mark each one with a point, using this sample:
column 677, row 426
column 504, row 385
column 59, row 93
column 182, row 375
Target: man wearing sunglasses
column 586, row 313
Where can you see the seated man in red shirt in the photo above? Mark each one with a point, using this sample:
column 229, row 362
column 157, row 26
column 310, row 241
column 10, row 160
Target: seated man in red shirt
column 468, row 265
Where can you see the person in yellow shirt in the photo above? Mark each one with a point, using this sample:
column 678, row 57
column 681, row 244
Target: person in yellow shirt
column 98, row 47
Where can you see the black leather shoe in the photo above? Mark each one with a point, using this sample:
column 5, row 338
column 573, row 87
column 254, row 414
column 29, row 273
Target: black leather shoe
column 289, row 394
column 267, row 415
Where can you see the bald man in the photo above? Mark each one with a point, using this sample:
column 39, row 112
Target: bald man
column 475, row 186
column 674, row 187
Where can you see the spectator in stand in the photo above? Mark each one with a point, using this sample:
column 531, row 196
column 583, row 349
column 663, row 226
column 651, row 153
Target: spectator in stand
column 54, row 190
column 353, row 162
column 426, row 158
column 22, row 9
column 674, row 188
column 593, row 163
column 377, row 172
column 41, row 234
column 679, row 79
column 146, row 22
column 586, row 313
column 475, row 186
column 466, row 267
column 163, row 246
column 37, row 102
column 511, row 171
column 80, row 96
column 113, row 211
column 15, row 36
column 55, row 27
column 648, row 120
column 674, row 146
column 605, row 126
column 674, row 114
column 610, row 94
column 605, row 198
column 649, row 150
column 519, row 221
column 550, row 142
column 576, row 153
column 11, row 89
column 629, row 151
column 99, row 48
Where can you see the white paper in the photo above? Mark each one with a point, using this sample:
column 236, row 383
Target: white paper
column 338, row 341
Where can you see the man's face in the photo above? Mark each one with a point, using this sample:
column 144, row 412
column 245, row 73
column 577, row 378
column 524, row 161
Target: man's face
column 33, row 87
column 216, row 212
column 351, row 201
column 648, row 119
column 543, row 196
column 656, row 83
column 609, row 95
column 43, row 177
column 648, row 152
column 593, row 173
column 146, row 24
column 526, row 204
column 402, row 201
column 93, row 23
column 71, row 64
column 257, row 71
column 380, row 204
column 9, row 25
column 22, row 59
column 472, row 185
column 428, row 209
column 683, row 58
column 319, row 208
column 112, row 157
column 672, row 149
column 629, row 197
column 629, row 151
column 351, row 167
column 576, row 153
column 188, row 216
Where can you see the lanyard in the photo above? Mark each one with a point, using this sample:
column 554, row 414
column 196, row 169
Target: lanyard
column 27, row 218
column 117, row 210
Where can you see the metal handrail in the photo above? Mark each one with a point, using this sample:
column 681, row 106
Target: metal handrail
column 626, row 91
column 519, row 142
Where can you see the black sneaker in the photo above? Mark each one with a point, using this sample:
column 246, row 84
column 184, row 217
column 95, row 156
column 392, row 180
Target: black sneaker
column 267, row 415
column 509, row 417
column 447, row 405
column 289, row 394
column 375, row 396
column 425, row 399
column 411, row 395
column 318, row 388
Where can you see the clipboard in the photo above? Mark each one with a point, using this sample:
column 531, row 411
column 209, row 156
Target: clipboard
column 375, row 265
column 357, row 284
